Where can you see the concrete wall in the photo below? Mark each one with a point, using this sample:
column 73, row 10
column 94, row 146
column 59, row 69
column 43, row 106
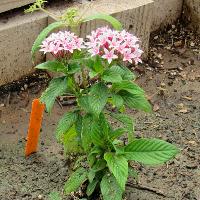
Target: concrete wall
column 166, row 12
column 18, row 33
column 10, row 4
column 135, row 15
column 192, row 12
column 16, row 39
column 140, row 17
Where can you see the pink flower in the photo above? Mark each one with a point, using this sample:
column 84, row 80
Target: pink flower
column 62, row 43
column 109, row 55
column 121, row 48
column 111, row 44
column 94, row 51
column 68, row 47
column 128, row 55
column 137, row 55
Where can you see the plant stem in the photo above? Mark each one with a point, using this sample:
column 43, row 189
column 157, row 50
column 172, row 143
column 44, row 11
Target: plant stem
column 55, row 17
column 76, row 89
column 84, row 78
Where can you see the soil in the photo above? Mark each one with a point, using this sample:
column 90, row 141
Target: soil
column 171, row 79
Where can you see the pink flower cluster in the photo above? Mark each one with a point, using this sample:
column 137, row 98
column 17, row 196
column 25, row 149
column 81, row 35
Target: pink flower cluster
column 111, row 44
column 105, row 42
column 62, row 42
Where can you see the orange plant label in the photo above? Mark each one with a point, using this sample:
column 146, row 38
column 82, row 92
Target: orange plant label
column 34, row 127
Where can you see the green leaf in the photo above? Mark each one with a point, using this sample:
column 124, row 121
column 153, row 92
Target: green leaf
column 92, row 74
column 132, row 95
column 91, row 187
column 97, row 65
column 99, row 165
column 76, row 180
column 150, row 151
column 97, row 134
column 124, row 72
column 129, row 87
column 118, row 165
column 100, row 129
column 96, row 100
column 79, row 161
column 65, row 123
column 98, row 97
column 86, row 132
column 118, row 146
column 73, row 68
column 54, row 196
column 43, row 35
column 132, row 173
column 110, row 75
column 117, row 69
column 71, row 141
column 91, row 175
column 114, row 22
column 110, row 188
column 117, row 133
column 128, row 74
column 91, row 159
column 77, row 55
column 136, row 101
column 117, row 100
column 127, row 122
column 93, row 153
column 78, row 125
column 104, row 124
column 57, row 87
column 53, row 66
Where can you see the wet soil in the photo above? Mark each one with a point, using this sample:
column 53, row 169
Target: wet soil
column 173, row 87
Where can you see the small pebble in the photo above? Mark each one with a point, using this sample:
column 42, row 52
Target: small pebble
column 40, row 196
column 192, row 44
column 25, row 86
column 156, row 37
column 173, row 26
column 178, row 43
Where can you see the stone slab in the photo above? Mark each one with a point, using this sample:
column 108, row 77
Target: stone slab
column 135, row 15
column 6, row 5
column 192, row 12
column 16, row 39
column 166, row 12
column 139, row 17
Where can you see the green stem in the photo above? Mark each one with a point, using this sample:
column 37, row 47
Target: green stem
column 55, row 17
column 84, row 78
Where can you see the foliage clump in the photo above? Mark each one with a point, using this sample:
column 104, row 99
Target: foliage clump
column 106, row 85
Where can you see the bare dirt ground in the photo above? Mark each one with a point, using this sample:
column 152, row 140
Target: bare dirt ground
column 171, row 80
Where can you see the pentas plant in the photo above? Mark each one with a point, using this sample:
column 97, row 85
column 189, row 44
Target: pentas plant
column 107, row 88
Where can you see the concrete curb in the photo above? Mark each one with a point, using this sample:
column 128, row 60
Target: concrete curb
column 192, row 13
column 16, row 39
column 166, row 12
column 6, row 5
column 137, row 16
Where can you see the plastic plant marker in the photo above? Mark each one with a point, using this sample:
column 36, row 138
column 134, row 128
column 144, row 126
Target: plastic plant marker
column 34, row 127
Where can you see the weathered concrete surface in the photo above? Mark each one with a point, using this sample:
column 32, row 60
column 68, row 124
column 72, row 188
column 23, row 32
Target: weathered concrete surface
column 139, row 17
column 166, row 12
column 135, row 15
column 16, row 39
column 6, row 5
column 19, row 32
column 192, row 12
